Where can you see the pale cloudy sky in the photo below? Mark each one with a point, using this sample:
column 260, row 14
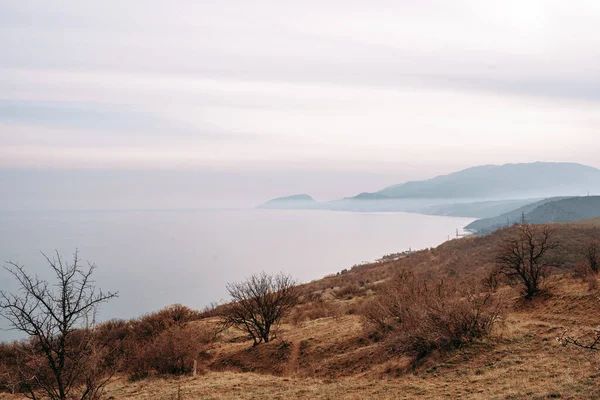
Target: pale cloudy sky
column 266, row 98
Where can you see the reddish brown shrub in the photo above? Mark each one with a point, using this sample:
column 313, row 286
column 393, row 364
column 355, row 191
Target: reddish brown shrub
column 349, row 292
column 158, row 343
column 591, row 254
column 152, row 325
column 171, row 352
column 13, row 357
column 314, row 310
column 420, row 315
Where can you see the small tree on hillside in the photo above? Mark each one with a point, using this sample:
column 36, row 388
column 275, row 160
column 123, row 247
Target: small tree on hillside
column 259, row 304
column 63, row 361
column 524, row 256
column 592, row 255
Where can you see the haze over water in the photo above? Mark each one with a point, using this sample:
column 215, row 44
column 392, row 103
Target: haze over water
column 157, row 258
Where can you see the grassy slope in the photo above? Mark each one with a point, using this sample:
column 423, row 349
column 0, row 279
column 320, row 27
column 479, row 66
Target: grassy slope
column 322, row 352
column 523, row 360
column 512, row 216
column 568, row 210
column 590, row 221
column 543, row 212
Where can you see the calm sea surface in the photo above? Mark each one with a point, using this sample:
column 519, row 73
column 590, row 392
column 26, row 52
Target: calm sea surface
column 157, row 258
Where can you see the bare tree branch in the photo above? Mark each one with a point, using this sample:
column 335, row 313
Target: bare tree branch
column 64, row 354
column 523, row 257
column 259, row 304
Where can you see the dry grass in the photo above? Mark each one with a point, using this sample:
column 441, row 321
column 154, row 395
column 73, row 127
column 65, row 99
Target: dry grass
column 328, row 358
column 591, row 221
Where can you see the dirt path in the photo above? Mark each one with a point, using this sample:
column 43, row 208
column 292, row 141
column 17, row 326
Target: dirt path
column 292, row 365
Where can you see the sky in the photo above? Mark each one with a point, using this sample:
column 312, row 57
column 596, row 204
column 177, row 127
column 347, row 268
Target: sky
column 227, row 103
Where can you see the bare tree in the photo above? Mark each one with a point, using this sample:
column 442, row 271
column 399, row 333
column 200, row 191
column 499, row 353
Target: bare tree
column 592, row 255
column 63, row 360
column 259, row 304
column 524, row 256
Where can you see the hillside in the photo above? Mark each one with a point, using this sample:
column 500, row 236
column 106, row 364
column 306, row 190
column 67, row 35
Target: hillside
column 483, row 209
column 546, row 211
column 589, row 221
column 567, row 210
column 486, row 225
column 524, row 360
column 323, row 350
column 293, row 202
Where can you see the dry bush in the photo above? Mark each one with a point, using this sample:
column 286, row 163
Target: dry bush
column 349, row 292
column 358, row 275
column 157, row 343
column 591, row 254
column 211, row 310
column 24, row 367
column 13, row 358
column 172, row 352
column 151, row 325
column 419, row 315
column 314, row 310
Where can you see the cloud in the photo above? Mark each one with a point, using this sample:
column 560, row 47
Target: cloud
column 81, row 116
column 338, row 85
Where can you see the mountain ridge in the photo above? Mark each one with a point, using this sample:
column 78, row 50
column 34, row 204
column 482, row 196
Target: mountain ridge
column 552, row 210
column 477, row 184
column 507, row 180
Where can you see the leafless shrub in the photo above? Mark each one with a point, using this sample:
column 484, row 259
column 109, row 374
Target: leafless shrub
column 13, row 371
column 312, row 297
column 348, row 292
column 314, row 310
column 491, row 281
column 160, row 343
column 64, row 359
column 419, row 315
column 592, row 256
column 259, row 304
column 524, row 257
column 172, row 352
column 211, row 310
column 152, row 325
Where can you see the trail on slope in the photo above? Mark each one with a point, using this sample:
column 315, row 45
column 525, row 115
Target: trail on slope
column 292, row 366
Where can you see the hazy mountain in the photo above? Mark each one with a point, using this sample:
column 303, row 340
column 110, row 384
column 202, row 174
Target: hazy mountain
column 477, row 192
column 539, row 179
column 546, row 211
column 292, row 202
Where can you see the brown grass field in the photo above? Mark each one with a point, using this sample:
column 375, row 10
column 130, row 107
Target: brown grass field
column 322, row 351
column 324, row 359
